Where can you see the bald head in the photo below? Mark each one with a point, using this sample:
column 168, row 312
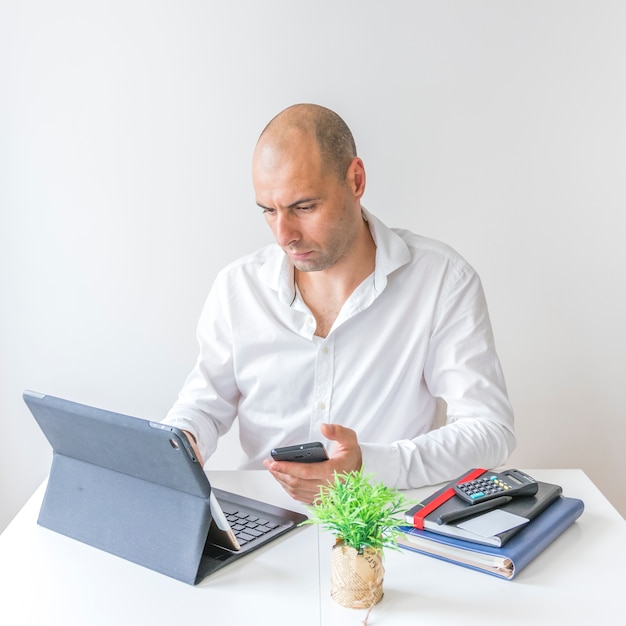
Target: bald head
column 330, row 133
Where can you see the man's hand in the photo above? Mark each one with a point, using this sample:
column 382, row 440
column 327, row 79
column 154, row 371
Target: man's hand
column 194, row 446
column 302, row 481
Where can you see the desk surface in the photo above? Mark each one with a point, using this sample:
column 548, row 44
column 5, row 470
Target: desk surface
column 48, row 579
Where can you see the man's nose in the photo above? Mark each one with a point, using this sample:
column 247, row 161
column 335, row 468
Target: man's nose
column 285, row 230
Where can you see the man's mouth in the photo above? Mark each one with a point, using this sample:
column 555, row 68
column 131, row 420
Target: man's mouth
column 298, row 256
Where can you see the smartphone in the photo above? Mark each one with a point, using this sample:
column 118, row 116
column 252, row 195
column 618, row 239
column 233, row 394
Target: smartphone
column 313, row 452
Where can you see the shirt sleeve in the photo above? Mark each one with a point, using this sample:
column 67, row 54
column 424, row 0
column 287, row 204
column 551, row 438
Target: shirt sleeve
column 462, row 368
column 207, row 404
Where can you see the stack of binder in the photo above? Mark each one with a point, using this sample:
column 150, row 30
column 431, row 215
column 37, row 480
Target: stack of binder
column 531, row 524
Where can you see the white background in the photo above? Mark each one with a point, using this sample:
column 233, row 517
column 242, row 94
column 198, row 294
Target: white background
column 126, row 131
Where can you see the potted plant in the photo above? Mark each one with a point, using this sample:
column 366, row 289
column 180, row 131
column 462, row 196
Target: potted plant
column 362, row 517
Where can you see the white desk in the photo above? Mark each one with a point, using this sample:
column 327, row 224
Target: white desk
column 47, row 579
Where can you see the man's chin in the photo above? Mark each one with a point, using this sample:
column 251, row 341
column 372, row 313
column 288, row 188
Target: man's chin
column 303, row 262
column 305, row 267
column 308, row 262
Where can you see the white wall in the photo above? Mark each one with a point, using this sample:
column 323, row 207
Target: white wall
column 126, row 130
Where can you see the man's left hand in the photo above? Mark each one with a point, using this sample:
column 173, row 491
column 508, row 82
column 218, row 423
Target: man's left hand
column 302, row 481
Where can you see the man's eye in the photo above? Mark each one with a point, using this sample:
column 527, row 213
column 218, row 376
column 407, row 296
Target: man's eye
column 267, row 211
column 307, row 207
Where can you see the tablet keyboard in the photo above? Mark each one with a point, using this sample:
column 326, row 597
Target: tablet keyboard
column 248, row 527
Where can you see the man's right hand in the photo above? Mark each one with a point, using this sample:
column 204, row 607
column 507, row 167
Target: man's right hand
column 194, row 446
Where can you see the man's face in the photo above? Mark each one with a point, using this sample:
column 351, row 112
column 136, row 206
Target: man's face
column 315, row 218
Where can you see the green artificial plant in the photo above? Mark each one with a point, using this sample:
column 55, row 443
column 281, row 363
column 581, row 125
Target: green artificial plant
column 358, row 512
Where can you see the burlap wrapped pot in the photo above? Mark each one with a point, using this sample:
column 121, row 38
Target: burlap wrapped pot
column 356, row 579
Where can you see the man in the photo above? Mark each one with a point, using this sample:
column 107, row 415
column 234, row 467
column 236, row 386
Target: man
column 346, row 332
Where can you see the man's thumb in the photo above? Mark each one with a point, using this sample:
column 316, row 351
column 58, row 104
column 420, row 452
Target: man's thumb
column 329, row 431
column 335, row 432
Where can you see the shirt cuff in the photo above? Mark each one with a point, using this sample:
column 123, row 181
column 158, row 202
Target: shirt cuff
column 191, row 426
column 382, row 461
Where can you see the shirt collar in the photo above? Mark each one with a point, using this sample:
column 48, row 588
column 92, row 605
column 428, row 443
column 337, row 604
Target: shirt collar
column 391, row 250
column 391, row 253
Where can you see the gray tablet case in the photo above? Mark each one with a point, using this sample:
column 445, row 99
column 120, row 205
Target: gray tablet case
column 133, row 488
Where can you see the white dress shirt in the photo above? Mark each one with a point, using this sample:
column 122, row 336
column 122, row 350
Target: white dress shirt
column 414, row 333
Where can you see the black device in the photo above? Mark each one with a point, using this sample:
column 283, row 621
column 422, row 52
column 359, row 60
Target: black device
column 104, row 484
column 492, row 485
column 312, row 452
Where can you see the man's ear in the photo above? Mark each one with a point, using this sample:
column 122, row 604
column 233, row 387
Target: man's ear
column 355, row 177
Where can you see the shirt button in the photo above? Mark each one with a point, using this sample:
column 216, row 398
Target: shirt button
column 321, row 406
column 324, row 350
column 309, row 320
